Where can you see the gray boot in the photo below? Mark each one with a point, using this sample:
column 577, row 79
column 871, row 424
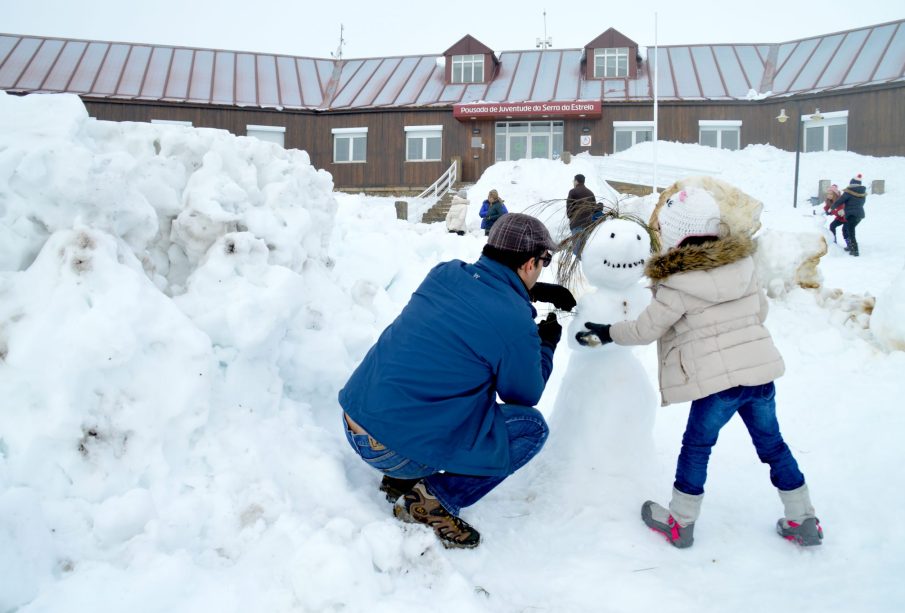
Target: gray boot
column 800, row 524
column 677, row 522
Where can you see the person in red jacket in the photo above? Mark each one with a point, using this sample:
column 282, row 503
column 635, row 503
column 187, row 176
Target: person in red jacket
column 837, row 211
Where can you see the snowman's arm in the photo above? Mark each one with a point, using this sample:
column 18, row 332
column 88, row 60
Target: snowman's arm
column 661, row 314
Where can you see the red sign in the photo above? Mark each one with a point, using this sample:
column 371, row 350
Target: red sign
column 571, row 108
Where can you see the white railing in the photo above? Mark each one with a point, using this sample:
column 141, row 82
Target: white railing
column 443, row 184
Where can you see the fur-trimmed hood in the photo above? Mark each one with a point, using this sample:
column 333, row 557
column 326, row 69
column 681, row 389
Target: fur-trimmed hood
column 699, row 257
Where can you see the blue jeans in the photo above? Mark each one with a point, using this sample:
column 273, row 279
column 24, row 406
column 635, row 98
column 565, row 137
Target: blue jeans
column 527, row 434
column 757, row 407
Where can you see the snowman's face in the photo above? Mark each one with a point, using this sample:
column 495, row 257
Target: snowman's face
column 615, row 254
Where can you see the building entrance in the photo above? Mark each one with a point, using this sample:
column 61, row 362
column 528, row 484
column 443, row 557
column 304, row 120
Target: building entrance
column 517, row 140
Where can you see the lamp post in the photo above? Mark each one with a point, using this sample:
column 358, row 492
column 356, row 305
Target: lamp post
column 781, row 118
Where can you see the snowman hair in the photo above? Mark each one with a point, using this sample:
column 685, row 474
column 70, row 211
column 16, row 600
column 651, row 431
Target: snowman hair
column 573, row 246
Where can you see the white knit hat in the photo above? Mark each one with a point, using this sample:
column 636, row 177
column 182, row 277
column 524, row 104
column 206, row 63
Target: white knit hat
column 691, row 212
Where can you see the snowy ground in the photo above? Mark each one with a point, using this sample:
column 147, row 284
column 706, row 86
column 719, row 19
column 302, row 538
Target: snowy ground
column 170, row 438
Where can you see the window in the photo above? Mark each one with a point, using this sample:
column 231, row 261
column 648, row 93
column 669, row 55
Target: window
column 626, row 134
column 722, row 134
column 516, row 140
column 828, row 133
column 423, row 143
column 171, row 122
column 468, row 69
column 611, row 62
column 271, row 134
column 350, row 145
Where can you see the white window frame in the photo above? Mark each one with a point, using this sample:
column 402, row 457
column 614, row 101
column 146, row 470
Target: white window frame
column 350, row 134
column 634, row 127
column 473, row 63
column 833, row 118
column 270, row 134
column 605, row 53
column 721, row 126
column 172, row 122
column 423, row 133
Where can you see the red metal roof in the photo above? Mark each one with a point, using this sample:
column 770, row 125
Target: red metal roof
column 95, row 69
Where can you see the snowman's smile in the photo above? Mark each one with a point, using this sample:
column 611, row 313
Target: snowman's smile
column 624, row 264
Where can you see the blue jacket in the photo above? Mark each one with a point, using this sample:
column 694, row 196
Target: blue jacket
column 427, row 389
column 491, row 212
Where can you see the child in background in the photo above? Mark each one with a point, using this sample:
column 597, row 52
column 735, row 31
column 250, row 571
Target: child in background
column 458, row 210
column 707, row 316
column 492, row 209
column 838, row 212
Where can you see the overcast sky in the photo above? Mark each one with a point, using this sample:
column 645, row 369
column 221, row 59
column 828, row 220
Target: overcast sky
column 374, row 28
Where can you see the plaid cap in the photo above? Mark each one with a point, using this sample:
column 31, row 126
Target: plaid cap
column 520, row 233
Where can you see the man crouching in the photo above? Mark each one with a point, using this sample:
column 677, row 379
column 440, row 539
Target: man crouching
column 421, row 407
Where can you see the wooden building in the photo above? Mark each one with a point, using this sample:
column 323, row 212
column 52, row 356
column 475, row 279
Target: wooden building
column 397, row 122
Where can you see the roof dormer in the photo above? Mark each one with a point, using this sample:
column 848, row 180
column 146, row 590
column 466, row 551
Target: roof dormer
column 469, row 61
column 611, row 56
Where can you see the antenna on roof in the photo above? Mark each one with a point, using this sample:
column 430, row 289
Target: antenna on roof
column 546, row 42
column 339, row 50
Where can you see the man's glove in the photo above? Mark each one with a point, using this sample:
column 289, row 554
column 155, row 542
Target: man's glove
column 596, row 334
column 554, row 294
column 549, row 331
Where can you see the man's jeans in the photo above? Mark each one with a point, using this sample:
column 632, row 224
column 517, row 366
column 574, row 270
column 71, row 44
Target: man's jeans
column 527, row 433
column 757, row 407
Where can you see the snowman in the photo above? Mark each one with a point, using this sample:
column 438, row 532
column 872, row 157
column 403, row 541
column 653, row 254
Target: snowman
column 603, row 416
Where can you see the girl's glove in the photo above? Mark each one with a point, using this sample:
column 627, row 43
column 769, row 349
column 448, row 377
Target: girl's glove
column 596, row 334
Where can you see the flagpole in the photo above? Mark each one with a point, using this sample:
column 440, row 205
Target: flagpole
column 656, row 123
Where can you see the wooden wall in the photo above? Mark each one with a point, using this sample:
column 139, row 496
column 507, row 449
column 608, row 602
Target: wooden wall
column 874, row 128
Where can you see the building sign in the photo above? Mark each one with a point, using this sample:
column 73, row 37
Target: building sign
column 585, row 140
column 487, row 110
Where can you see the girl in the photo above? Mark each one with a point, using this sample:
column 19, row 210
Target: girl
column 837, row 211
column 707, row 317
column 491, row 210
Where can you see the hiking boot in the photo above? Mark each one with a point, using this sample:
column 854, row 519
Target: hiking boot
column 393, row 488
column 659, row 519
column 419, row 506
column 807, row 533
column 800, row 524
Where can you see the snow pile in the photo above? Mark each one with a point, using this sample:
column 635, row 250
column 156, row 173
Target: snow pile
column 887, row 322
column 786, row 260
column 168, row 192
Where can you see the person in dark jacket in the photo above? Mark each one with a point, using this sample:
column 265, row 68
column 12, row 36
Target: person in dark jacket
column 852, row 201
column 581, row 208
column 491, row 210
column 581, row 205
column 421, row 407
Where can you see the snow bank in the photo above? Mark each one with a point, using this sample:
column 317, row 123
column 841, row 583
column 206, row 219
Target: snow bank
column 168, row 192
column 887, row 322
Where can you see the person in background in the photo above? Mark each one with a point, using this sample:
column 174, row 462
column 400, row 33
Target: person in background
column 852, row 201
column 837, row 211
column 707, row 316
column 581, row 208
column 422, row 406
column 491, row 210
column 458, row 210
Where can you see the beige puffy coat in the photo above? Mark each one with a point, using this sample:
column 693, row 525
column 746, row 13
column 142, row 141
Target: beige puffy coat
column 707, row 315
